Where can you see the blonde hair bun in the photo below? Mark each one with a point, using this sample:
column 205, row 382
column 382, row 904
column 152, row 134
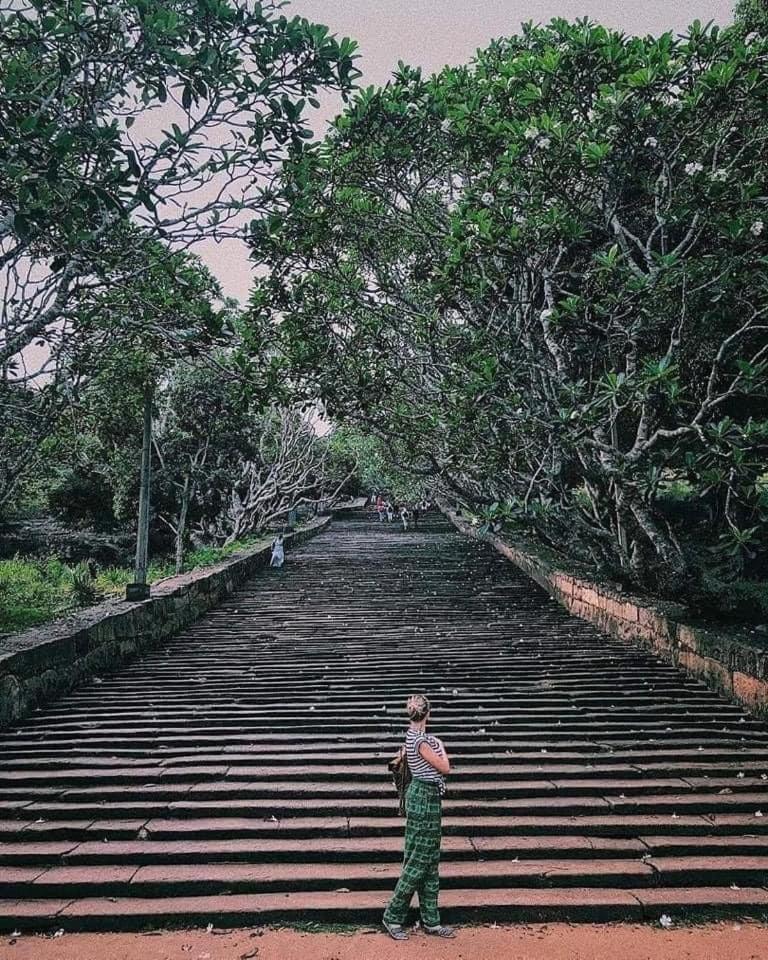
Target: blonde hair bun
column 417, row 707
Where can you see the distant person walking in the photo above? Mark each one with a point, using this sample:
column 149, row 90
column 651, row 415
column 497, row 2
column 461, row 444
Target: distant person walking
column 405, row 516
column 428, row 763
column 390, row 511
column 278, row 552
column 380, row 508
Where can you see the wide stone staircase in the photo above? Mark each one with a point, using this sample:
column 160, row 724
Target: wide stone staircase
column 237, row 774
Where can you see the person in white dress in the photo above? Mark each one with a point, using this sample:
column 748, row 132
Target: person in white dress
column 278, row 552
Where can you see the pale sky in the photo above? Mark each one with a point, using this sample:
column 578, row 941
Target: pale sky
column 433, row 33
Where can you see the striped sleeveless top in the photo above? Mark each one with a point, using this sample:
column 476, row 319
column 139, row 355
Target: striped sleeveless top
column 420, row 769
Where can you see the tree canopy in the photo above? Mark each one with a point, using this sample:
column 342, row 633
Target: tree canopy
column 752, row 15
column 542, row 278
column 84, row 149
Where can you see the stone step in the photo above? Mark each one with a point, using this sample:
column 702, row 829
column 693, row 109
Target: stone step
column 666, row 691
column 278, row 842
column 503, row 905
column 469, row 800
column 752, row 765
column 504, row 724
column 249, row 840
column 687, row 742
column 178, row 880
column 667, row 810
column 28, row 810
column 195, row 880
column 537, row 694
column 374, row 780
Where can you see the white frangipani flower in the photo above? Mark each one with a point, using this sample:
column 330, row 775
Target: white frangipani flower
column 487, row 199
column 692, row 168
column 757, row 228
column 531, row 133
column 545, row 144
column 651, row 142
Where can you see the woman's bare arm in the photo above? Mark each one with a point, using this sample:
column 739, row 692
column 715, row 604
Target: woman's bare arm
column 439, row 761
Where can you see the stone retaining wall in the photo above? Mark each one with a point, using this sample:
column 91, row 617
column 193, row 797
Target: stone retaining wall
column 43, row 663
column 730, row 662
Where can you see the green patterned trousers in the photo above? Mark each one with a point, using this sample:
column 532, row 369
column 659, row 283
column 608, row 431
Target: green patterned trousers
column 421, row 861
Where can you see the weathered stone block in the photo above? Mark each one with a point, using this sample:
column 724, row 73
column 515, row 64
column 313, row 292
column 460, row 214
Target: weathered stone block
column 715, row 673
column 589, row 596
column 687, row 637
column 751, row 691
column 659, row 634
column 564, row 584
column 629, row 611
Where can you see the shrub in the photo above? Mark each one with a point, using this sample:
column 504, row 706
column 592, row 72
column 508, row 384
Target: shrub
column 742, row 601
column 82, row 497
column 82, row 586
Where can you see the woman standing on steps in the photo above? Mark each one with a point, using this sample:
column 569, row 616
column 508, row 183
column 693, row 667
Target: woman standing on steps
column 428, row 763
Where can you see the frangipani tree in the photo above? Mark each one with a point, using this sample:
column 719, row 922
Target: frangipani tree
column 544, row 276
column 169, row 113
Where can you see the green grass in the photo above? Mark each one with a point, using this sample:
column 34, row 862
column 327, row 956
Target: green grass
column 113, row 579
column 35, row 591
column 31, row 593
column 209, row 556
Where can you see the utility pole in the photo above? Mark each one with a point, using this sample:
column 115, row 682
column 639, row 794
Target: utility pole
column 139, row 589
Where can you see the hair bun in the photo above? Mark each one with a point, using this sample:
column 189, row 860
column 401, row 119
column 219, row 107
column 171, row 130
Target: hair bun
column 417, row 706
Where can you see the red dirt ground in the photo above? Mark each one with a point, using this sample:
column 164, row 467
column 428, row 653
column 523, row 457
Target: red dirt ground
column 722, row 941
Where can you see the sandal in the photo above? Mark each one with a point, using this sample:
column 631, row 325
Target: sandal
column 447, row 933
column 395, row 930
